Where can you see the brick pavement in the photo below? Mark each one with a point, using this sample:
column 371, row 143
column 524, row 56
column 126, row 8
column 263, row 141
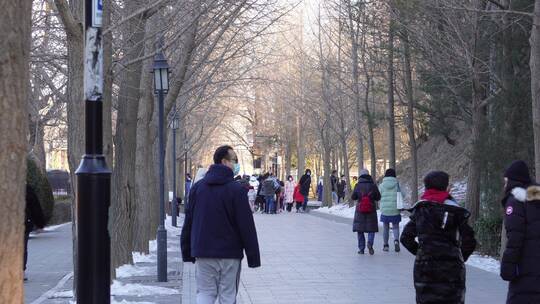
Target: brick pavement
column 309, row 259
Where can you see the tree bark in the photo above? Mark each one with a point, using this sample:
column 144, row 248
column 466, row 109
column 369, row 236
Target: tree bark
column 72, row 17
column 410, row 115
column 301, row 146
column 535, row 84
column 14, row 83
column 371, row 136
column 107, row 85
column 123, row 195
column 390, row 80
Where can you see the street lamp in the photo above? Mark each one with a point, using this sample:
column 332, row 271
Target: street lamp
column 161, row 87
column 174, row 124
column 93, row 183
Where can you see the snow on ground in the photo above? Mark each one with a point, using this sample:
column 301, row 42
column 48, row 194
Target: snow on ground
column 121, row 289
column 343, row 210
column 484, row 262
column 126, row 271
column 67, row 294
column 113, row 301
column 55, row 227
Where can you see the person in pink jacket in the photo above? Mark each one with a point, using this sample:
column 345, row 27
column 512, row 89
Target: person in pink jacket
column 289, row 193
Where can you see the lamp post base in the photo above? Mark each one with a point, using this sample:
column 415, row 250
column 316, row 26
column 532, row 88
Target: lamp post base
column 162, row 253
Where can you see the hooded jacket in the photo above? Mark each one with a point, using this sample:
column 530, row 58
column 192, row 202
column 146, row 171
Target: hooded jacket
column 445, row 242
column 388, row 203
column 366, row 222
column 219, row 222
column 521, row 259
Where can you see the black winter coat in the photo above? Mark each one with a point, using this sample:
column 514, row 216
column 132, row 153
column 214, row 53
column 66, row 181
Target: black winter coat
column 219, row 222
column 521, row 259
column 341, row 188
column 33, row 213
column 366, row 222
column 445, row 242
column 305, row 184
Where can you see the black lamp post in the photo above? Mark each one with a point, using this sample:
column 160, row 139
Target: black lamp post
column 161, row 86
column 174, row 124
column 93, row 191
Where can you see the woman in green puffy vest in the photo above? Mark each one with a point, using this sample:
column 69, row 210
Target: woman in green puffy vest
column 388, row 205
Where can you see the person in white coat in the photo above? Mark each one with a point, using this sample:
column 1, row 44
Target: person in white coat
column 289, row 193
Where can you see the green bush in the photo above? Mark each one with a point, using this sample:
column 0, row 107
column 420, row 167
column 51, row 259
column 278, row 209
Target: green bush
column 38, row 180
column 488, row 234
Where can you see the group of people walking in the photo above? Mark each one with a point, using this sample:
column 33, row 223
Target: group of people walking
column 274, row 196
column 219, row 227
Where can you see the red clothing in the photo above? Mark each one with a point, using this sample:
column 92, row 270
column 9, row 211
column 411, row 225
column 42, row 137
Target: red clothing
column 298, row 197
column 436, row 196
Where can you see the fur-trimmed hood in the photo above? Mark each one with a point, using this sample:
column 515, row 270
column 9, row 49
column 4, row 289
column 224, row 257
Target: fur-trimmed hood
column 531, row 194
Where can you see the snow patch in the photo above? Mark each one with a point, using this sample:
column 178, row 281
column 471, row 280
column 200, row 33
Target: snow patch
column 126, row 271
column 342, row 210
column 139, row 257
column 484, row 262
column 55, row 227
column 67, row 294
column 138, row 290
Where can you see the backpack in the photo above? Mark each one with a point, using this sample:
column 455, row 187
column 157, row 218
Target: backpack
column 365, row 205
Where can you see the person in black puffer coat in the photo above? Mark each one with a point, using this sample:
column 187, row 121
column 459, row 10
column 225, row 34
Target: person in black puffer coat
column 366, row 222
column 520, row 263
column 445, row 242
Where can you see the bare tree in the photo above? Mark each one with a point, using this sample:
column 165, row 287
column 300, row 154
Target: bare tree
column 15, row 21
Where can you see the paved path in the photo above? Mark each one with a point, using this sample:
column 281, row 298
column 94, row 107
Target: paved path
column 309, row 259
column 49, row 260
column 50, row 264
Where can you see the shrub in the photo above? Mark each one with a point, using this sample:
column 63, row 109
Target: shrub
column 38, row 180
column 488, row 234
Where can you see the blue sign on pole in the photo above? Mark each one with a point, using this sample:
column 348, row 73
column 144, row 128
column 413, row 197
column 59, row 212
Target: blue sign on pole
column 97, row 13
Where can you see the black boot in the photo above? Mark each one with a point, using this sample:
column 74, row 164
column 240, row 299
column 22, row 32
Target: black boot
column 371, row 251
column 396, row 245
column 361, row 251
column 386, row 248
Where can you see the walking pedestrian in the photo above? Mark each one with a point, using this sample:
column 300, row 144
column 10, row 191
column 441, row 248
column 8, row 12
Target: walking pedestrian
column 341, row 187
column 365, row 215
column 390, row 214
column 333, row 186
column 218, row 228
column 354, row 182
column 188, row 187
column 34, row 218
column 289, row 192
column 520, row 260
column 269, row 188
column 445, row 242
column 298, row 198
column 305, row 184
column 280, row 193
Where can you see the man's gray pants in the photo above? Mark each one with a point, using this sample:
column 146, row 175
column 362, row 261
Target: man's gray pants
column 217, row 279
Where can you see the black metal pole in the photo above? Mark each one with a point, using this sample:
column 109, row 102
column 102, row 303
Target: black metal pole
column 161, row 232
column 174, row 202
column 93, row 177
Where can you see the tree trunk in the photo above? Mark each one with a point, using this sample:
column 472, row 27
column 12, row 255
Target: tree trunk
column 535, row 84
column 301, row 147
column 123, row 196
column 391, row 115
column 410, row 116
column 371, row 136
column 72, row 17
column 473, row 180
column 346, row 165
column 14, row 84
column 327, row 190
column 107, row 85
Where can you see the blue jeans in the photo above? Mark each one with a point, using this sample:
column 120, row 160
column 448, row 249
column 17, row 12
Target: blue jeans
column 270, row 204
column 362, row 240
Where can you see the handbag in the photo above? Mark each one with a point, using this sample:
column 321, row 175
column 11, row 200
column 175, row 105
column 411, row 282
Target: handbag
column 399, row 198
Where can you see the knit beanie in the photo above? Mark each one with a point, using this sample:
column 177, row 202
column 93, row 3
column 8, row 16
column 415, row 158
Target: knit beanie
column 437, row 180
column 518, row 171
column 364, row 172
column 390, row 173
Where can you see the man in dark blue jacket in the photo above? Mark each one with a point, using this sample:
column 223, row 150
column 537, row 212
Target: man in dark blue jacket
column 218, row 228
